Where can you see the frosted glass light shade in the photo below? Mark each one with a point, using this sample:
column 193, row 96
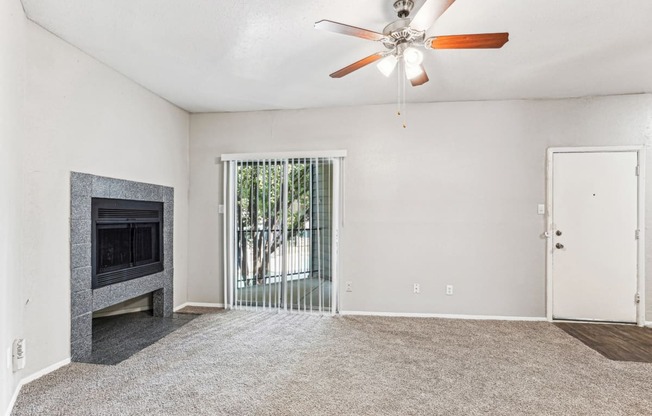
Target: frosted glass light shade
column 413, row 56
column 387, row 64
column 413, row 71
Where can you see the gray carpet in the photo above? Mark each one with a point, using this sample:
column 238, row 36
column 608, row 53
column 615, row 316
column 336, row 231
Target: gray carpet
column 246, row 363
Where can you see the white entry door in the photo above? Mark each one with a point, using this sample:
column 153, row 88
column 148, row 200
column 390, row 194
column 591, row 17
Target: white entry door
column 594, row 222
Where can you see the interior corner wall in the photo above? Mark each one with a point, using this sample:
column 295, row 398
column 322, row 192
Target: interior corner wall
column 451, row 199
column 12, row 65
column 79, row 115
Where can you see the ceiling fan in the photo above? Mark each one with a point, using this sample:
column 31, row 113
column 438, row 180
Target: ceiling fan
column 404, row 37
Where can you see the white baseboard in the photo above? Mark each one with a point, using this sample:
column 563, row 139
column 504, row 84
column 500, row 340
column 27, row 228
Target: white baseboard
column 444, row 315
column 122, row 311
column 31, row 378
column 200, row 304
column 648, row 324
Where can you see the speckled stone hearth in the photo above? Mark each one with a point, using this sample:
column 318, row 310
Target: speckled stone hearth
column 84, row 299
column 116, row 338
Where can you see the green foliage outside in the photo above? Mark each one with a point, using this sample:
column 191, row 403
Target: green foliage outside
column 259, row 220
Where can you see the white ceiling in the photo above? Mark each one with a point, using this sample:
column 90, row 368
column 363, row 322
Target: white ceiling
column 216, row 55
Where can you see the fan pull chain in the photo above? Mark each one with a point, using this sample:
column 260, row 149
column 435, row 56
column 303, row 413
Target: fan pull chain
column 402, row 113
column 398, row 88
column 402, row 90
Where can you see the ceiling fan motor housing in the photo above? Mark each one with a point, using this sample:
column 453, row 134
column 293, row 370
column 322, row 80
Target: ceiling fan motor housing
column 399, row 32
column 403, row 7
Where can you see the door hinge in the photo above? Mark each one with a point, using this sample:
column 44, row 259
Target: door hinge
column 637, row 298
column 637, row 234
column 638, row 170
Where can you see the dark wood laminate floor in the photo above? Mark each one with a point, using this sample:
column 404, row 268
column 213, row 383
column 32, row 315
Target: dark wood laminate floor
column 615, row 342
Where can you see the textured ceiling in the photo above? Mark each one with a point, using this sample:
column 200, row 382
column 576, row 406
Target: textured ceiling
column 208, row 55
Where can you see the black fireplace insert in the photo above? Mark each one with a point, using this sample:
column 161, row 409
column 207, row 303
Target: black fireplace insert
column 127, row 240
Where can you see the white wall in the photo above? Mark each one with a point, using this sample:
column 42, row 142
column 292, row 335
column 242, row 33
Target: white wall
column 76, row 115
column 452, row 199
column 82, row 116
column 12, row 60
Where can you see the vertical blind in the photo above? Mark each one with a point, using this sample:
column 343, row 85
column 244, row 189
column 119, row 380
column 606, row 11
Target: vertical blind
column 281, row 222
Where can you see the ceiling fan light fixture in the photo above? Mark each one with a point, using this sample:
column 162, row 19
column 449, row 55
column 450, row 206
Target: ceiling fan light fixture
column 387, row 64
column 413, row 71
column 403, row 39
column 412, row 56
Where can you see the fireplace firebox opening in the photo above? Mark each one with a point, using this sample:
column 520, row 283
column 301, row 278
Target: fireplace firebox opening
column 126, row 240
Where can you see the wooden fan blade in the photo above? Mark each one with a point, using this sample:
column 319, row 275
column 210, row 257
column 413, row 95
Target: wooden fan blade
column 477, row 41
column 357, row 65
column 421, row 79
column 429, row 12
column 343, row 29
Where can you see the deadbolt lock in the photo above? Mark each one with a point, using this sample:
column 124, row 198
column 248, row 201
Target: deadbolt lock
column 558, row 232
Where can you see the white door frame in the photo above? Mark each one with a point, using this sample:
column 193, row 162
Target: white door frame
column 640, row 257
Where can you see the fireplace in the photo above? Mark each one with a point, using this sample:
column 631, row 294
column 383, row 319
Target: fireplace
column 126, row 240
column 119, row 230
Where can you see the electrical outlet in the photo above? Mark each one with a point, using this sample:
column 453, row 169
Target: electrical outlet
column 349, row 286
column 417, row 288
column 19, row 354
column 449, row 290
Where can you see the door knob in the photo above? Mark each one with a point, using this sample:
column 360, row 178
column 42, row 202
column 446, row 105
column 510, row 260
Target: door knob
column 559, row 245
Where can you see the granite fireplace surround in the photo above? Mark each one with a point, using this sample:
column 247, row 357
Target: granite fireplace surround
column 84, row 300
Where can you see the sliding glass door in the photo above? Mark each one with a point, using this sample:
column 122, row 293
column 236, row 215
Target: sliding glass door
column 281, row 221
